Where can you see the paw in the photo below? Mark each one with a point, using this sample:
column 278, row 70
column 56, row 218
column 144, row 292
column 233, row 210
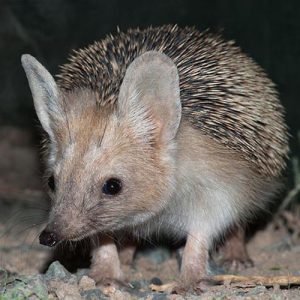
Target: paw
column 237, row 265
column 109, row 285
column 107, row 277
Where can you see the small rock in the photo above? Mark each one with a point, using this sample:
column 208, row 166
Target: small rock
column 140, row 284
column 118, row 295
column 257, row 290
column 109, row 290
column 3, row 278
column 94, row 294
column 30, row 287
column 240, row 293
column 65, row 290
column 160, row 297
column 57, row 271
column 52, row 296
column 179, row 297
column 156, row 281
column 140, row 289
column 139, row 295
column 87, row 283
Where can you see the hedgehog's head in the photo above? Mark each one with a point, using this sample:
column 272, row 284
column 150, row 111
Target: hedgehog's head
column 109, row 166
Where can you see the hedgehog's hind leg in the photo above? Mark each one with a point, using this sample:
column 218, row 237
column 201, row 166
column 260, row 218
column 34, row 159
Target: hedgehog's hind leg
column 234, row 252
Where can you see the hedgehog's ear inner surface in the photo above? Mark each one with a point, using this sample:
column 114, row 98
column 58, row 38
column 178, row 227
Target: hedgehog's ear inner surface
column 151, row 84
column 44, row 92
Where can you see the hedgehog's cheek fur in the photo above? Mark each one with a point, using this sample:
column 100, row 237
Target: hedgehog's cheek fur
column 147, row 175
column 142, row 200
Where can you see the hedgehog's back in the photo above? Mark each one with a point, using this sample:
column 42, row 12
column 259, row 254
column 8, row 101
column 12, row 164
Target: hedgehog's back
column 223, row 92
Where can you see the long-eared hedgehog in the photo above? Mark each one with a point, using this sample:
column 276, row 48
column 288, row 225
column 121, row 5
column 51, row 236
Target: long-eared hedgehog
column 158, row 130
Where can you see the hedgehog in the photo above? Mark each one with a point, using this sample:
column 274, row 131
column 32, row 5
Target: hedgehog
column 163, row 130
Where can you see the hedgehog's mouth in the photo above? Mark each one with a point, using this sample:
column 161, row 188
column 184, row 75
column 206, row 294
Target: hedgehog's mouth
column 80, row 237
column 52, row 239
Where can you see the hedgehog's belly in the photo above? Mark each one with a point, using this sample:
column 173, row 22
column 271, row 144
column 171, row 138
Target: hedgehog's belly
column 215, row 186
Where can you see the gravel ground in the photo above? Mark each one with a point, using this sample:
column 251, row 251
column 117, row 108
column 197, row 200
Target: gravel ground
column 31, row 271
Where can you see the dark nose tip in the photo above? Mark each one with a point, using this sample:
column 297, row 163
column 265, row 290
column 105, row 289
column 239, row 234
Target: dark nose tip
column 48, row 238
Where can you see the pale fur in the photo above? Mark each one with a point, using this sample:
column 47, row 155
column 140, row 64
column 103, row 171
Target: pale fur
column 213, row 188
column 209, row 187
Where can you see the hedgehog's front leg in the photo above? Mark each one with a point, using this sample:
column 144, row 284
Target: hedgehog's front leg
column 106, row 266
column 193, row 266
column 194, row 259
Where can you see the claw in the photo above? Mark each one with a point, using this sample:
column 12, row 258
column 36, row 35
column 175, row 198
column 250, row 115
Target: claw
column 109, row 285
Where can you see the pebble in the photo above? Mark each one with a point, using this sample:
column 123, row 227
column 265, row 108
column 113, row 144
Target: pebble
column 65, row 291
column 94, row 294
column 160, row 297
column 140, row 284
column 118, row 295
column 29, row 287
column 179, row 297
column 3, row 278
column 156, row 281
column 257, row 290
column 57, row 271
column 87, row 283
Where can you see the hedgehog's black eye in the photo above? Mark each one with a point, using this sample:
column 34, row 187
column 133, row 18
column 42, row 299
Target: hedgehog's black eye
column 51, row 183
column 112, row 186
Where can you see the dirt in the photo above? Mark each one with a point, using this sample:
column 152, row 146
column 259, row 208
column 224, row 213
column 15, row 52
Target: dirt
column 275, row 250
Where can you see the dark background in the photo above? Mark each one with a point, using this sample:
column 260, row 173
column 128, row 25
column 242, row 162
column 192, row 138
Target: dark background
column 269, row 31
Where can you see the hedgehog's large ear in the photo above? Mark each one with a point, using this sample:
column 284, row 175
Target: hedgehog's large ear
column 44, row 92
column 151, row 88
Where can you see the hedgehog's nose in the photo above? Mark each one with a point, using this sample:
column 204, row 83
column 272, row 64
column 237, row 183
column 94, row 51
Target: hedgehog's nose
column 48, row 238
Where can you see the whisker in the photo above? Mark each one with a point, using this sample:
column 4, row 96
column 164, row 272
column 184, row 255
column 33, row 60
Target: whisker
column 103, row 133
column 67, row 120
column 35, row 237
